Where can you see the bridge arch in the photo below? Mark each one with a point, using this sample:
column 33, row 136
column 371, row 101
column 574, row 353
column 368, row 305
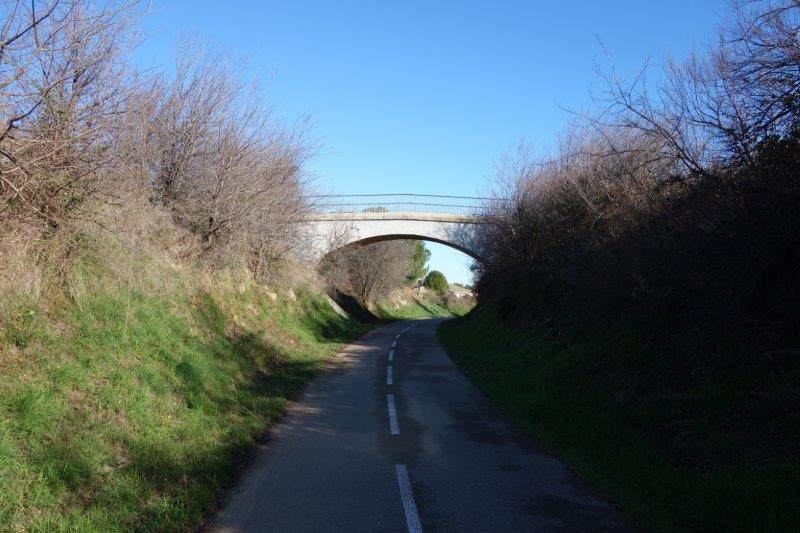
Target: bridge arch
column 410, row 236
column 342, row 221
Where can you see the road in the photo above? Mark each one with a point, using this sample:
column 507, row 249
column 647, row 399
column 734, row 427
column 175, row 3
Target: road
column 392, row 437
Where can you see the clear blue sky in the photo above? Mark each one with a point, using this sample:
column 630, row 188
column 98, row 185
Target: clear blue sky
column 425, row 96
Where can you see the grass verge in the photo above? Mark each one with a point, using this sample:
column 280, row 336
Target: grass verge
column 128, row 406
column 673, row 447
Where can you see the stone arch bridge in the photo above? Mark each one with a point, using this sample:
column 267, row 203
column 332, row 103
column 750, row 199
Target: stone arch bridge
column 345, row 220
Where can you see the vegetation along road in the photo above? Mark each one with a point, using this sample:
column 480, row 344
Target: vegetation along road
column 184, row 260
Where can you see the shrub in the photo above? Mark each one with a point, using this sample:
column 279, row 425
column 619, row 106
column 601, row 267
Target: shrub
column 63, row 79
column 83, row 132
column 666, row 214
column 435, row 281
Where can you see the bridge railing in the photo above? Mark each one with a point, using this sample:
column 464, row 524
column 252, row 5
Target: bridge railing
column 393, row 203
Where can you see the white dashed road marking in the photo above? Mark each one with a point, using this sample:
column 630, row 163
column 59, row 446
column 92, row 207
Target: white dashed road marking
column 389, row 376
column 393, row 427
column 394, row 344
column 412, row 517
column 391, row 355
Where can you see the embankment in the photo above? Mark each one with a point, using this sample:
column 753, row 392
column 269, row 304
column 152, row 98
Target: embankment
column 676, row 440
column 133, row 386
column 407, row 304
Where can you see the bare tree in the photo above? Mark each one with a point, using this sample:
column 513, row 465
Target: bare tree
column 61, row 79
column 729, row 101
column 369, row 272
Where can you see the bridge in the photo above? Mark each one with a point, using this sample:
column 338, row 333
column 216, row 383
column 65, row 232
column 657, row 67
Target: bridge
column 345, row 220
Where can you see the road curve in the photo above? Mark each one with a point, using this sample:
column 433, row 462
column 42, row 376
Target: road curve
column 396, row 439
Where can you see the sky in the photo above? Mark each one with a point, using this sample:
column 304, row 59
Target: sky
column 425, row 97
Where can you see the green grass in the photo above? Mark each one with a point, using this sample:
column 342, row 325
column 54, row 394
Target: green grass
column 695, row 450
column 458, row 307
column 129, row 408
column 419, row 307
column 415, row 309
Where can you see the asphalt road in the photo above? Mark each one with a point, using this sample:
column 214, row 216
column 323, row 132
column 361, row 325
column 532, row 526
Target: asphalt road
column 413, row 448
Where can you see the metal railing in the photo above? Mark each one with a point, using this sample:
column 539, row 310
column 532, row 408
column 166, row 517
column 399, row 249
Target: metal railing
column 393, row 203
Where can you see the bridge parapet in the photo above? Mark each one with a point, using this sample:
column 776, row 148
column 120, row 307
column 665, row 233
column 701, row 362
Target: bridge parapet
column 377, row 204
column 394, row 215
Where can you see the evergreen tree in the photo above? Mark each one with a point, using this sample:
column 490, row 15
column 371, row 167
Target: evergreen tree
column 419, row 261
column 436, row 281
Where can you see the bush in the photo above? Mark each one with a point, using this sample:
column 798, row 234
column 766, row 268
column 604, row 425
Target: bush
column 435, row 281
column 662, row 217
column 83, row 132
column 63, row 76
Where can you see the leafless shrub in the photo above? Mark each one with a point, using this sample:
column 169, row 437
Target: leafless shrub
column 208, row 149
column 565, row 208
column 61, row 78
column 81, row 131
column 678, row 205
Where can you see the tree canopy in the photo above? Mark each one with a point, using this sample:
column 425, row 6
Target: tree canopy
column 436, row 281
column 419, row 261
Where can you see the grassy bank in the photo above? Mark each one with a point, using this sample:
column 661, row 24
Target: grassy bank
column 673, row 443
column 128, row 401
column 416, row 306
column 412, row 309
